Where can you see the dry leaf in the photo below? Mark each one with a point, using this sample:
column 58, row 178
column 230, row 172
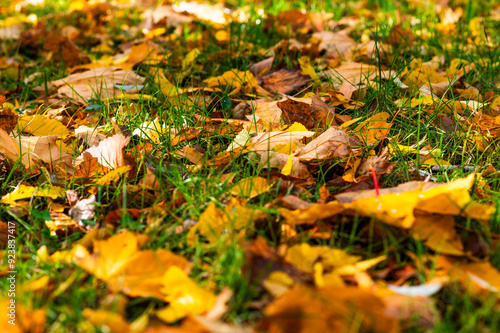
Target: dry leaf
column 331, row 144
column 84, row 209
column 328, row 309
column 110, row 152
column 97, row 83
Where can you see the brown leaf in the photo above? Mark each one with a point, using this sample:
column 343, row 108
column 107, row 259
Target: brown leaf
column 4, row 233
column 294, row 111
column 62, row 225
column 378, row 162
column 336, row 44
column 295, row 18
column 399, row 36
column 267, row 140
column 117, row 214
column 9, row 148
column 271, row 159
column 90, row 136
column 262, row 67
column 8, row 119
column 323, row 112
column 192, row 154
column 261, row 259
column 63, row 47
column 353, row 73
column 294, row 202
column 97, row 83
column 71, row 197
column 284, row 81
column 89, row 167
column 47, row 149
column 331, row 144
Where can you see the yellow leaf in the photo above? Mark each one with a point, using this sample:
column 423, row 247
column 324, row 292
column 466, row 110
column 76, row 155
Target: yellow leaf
column 495, row 105
column 350, row 174
column 424, row 75
column 359, row 266
column 286, row 149
column 424, row 100
column 114, row 175
column 287, row 169
column 132, row 97
column 435, row 161
column 304, row 256
column 214, row 222
column 397, row 148
column 438, row 233
column 277, row 283
column 20, row 318
column 306, row 68
column 26, row 192
column 251, row 187
column 234, row 78
column 112, row 321
column 397, row 208
column 110, row 256
column 167, row 88
column 312, row 214
column 185, row 297
column 222, row 36
column 118, row 262
column 294, row 127
column 37, row 284
column 374, row 129
column 150, row 130
column 190, row 58
column 40, row 125
column 482, row 274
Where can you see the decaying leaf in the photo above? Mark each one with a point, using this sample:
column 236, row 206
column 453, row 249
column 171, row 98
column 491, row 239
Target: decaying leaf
column 98, row 83
column 84, row 209
column 110, row 152
column 331, row 144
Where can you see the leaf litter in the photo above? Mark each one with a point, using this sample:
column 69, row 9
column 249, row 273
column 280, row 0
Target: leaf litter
column 288, row 194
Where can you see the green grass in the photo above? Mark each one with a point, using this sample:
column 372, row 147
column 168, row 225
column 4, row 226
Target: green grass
column 224, row 264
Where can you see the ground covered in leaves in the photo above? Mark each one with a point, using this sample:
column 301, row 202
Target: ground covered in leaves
column 241, row 167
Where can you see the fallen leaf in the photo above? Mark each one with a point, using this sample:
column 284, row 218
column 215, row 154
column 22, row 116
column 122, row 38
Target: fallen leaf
column 328, row 309
column 97, row 83
column 112, row 321
column 214, row 222
column 331, row 144
column 284, row 81
column 8, row 119
column 63, row 47
column 304, row 257
column 184, row 296
column 27, row 192
column 110, row 152
column 251, row 187
column 234, row 78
